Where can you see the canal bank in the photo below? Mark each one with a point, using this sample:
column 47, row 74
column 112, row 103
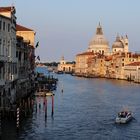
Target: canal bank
column 85, row 110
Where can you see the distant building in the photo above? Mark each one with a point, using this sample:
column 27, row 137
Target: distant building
column 99, row 44
column 98, row 65
column 116, row 63
column 132, row 71
column 67, row 67
column 99, row 61
column 83, row 62
column 86, row 62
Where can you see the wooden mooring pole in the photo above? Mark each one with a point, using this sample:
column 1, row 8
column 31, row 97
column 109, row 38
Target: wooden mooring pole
column 36, row 106
column 29, row 104
column 32, row 104
column 45, row 103
column 52, row 105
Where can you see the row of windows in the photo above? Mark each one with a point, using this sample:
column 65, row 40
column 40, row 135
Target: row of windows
column 21, row 55
column 12, row 68
column 4, row 26
column 100, row 51
column 4, row 48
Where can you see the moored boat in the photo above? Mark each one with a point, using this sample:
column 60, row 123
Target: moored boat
column 43, row 94
column 50, row 94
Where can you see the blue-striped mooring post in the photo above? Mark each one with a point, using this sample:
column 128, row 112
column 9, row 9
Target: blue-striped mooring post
column 17, row 124
column 0, row 125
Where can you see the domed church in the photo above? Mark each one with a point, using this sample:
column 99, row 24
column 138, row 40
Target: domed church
column 99, row 44
column 120, row 44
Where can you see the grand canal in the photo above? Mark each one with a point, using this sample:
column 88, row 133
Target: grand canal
column 85, row 110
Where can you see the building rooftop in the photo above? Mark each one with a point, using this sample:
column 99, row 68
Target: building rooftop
column 85, row 53
column 108, row 58
column 7, row 9
column 134, row 64
column 22, row 28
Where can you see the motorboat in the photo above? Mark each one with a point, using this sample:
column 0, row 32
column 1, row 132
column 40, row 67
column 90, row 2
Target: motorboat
column 124, row 117
column 44, row 93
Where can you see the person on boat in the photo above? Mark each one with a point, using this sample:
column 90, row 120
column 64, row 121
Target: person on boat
column 122, row 114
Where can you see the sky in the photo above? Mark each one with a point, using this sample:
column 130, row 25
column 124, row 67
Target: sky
column 65, row 27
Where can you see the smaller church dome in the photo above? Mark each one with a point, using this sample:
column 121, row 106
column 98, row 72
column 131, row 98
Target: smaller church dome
column 118, row 43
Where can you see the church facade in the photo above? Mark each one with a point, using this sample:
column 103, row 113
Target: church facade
column 66, row 67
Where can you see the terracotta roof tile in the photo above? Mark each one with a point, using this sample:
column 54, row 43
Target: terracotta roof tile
column 134, row 64
column 22, row 28
column 85, row 53
column 108, row 58
column 7, row 9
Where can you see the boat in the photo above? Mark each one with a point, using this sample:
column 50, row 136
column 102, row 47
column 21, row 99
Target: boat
column 59, row 72
column 43, row 94
column 50, row 94
column 124, row 117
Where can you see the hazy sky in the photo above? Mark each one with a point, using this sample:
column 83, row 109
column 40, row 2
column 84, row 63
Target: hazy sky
column 65, row 27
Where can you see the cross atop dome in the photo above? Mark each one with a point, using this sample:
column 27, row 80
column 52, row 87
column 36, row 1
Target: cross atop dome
column 62, row 58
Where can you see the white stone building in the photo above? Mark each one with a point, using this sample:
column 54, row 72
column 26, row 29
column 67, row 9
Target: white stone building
column 8, row 60
column 67, row 67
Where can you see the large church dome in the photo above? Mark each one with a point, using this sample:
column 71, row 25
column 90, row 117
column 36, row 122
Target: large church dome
column 99, row 44
column 99, row 37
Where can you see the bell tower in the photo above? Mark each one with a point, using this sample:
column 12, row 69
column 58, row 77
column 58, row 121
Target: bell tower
column 126, row 46
column 125, row 43
column 62, row 61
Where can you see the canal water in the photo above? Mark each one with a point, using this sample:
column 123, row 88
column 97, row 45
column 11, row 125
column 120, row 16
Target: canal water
column 85, row 110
